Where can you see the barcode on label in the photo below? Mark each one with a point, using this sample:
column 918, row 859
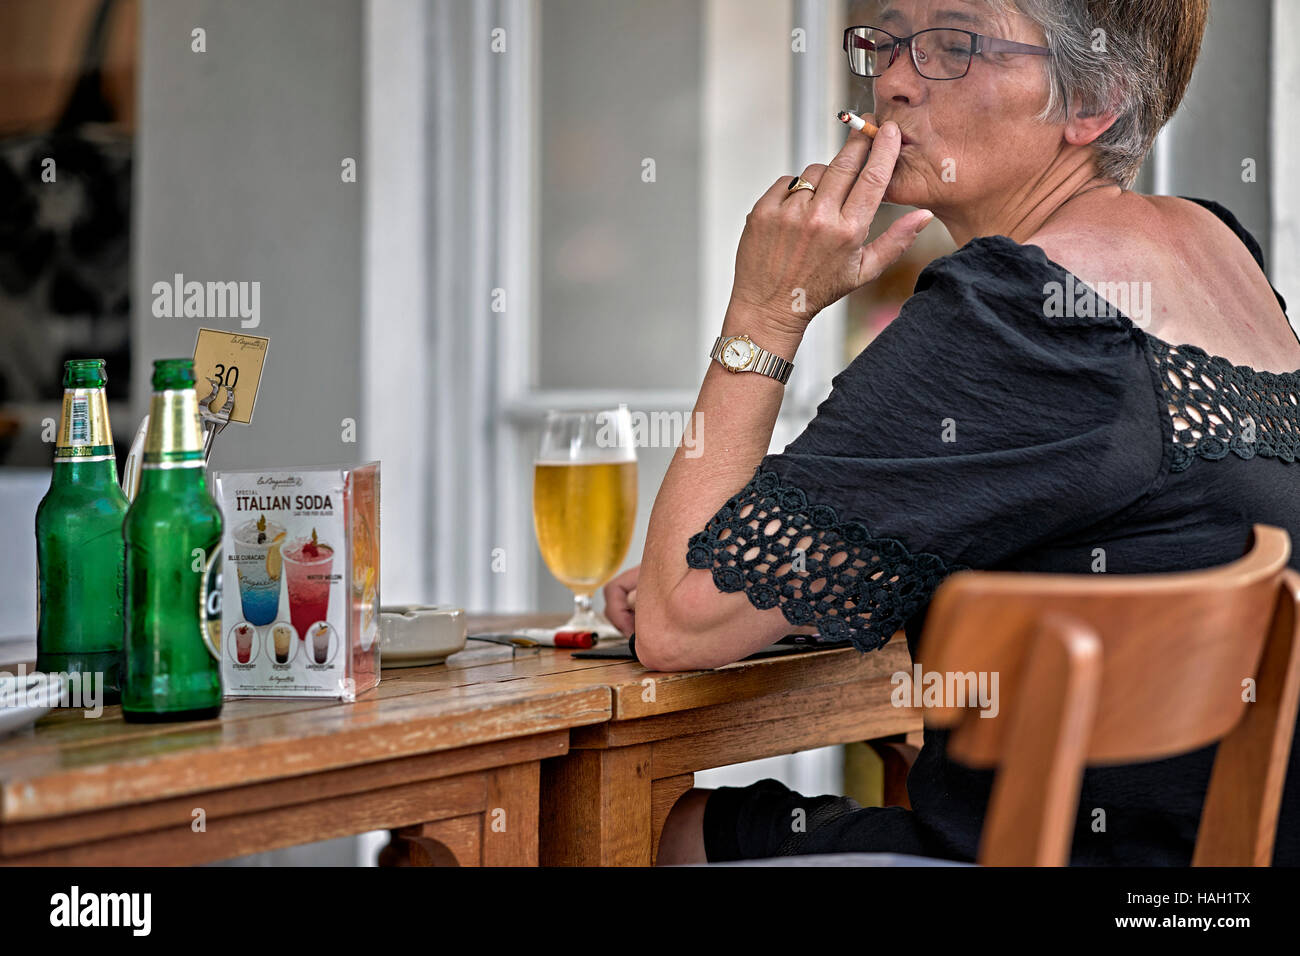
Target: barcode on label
column 80, row 420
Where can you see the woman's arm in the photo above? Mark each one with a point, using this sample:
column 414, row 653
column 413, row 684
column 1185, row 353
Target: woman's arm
column 799, row 246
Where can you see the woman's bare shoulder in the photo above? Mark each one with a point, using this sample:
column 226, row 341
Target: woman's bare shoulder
column 1135, row 231
column 1206, row 288
column 1123, row 233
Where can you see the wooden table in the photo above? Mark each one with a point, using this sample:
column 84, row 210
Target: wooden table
column 499, row 757
column 604, row 802
column 451, row 752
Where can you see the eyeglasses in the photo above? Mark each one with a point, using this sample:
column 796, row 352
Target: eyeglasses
column 937, row 54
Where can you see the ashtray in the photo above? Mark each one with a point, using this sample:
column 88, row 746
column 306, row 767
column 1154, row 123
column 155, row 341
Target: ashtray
column 416, row 635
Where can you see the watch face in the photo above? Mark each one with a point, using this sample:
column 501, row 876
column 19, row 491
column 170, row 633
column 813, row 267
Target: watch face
column 737, row 353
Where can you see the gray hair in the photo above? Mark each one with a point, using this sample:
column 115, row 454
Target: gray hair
column 1131, row 56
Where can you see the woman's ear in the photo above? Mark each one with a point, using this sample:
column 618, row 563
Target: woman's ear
column 1085, row 125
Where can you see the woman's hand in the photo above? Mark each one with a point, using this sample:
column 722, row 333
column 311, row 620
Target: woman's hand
column 620, row 600
column 803, row 250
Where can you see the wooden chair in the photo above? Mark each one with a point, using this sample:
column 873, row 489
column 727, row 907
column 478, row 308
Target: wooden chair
column 1123, row 669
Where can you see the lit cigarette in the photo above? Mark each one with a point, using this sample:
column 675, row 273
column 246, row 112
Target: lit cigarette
column 854, row 121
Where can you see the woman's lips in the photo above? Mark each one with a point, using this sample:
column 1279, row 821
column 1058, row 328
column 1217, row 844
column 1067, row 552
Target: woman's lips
column 906, row 140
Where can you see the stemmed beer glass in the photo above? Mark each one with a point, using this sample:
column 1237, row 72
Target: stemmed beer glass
column 584, row 503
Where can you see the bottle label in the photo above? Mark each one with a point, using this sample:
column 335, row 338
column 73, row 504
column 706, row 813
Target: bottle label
column 210, row 604
column 84, row 433
column 175, row 436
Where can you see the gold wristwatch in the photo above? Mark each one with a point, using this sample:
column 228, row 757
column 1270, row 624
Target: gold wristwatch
column 738, row 353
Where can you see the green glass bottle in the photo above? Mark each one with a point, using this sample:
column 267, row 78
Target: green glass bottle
column 79, row 540
column 172, row 534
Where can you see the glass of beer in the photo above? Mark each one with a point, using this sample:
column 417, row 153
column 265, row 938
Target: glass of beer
column 584, row 504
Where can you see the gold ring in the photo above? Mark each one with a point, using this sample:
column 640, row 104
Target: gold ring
column 799, row 183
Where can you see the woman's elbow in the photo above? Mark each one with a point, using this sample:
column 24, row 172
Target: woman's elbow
column 672, row 632
column 659, row 645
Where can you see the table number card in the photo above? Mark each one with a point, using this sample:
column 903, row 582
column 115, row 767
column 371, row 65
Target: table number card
column 235, row 360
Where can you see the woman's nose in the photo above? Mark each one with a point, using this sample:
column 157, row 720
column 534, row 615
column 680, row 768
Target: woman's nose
column 900, row 81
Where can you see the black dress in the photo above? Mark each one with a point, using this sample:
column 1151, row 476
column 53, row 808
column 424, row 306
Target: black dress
column 1010, row 418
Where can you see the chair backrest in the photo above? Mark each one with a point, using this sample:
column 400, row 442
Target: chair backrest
column 1122, row 669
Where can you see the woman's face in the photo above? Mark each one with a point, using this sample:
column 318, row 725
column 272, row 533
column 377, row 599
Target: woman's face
column 976, row 140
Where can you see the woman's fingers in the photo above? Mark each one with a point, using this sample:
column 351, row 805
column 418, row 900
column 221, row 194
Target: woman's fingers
column 868, row 188
column 811, row 239
column 620, row 600
column 779, row 191
column 813, row 174
column 843, row 170
column 889, row 248
column 773, row 195
column 618, row 613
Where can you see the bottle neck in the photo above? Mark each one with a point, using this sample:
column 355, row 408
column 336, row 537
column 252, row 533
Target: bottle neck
column 85, row 436
column 173, row 445
column 175, row 436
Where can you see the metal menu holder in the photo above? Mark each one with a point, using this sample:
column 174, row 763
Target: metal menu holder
column 213, row 423
column 224, row 354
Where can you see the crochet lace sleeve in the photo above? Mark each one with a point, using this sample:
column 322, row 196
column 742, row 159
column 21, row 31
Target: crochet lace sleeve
column 784, row 551
column 1218, row 407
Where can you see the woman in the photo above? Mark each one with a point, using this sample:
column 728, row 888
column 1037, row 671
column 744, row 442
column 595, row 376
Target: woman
column 1009, row 418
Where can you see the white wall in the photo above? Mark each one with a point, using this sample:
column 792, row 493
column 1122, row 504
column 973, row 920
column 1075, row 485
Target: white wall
column 1285, row 167
column 21, row 490
column 396, row 309
column 238, row 179
column 1225, row 117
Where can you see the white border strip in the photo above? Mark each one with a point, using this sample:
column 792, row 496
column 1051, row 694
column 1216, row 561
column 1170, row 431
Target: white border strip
column 395, row 350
